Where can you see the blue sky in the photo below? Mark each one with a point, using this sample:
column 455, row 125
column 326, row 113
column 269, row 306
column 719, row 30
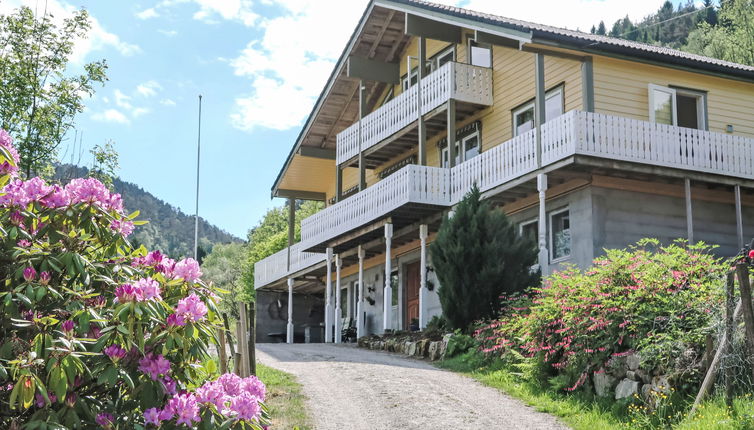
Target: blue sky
column 259, row 64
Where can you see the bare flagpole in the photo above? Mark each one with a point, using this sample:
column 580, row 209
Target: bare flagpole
column 198, row 153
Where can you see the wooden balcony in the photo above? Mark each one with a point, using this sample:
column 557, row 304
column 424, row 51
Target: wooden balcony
column 275, row 267
column 470, row 86
column 414, row 192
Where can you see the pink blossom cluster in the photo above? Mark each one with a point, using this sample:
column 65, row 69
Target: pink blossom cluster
column 144, row 289
column 229, row 395
column 8, row 168
column 81, row 190
column 190, row 308
column 154, row 366
column 157, row 261
column 188, row 269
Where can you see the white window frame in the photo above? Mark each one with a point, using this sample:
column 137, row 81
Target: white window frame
column 406, row 80
column 701, row 105
column 461, row 148
column 435, row 60
column 558, row 91
column 472, row 42
column 551, row 236
column 659, row 88
column 526, row 223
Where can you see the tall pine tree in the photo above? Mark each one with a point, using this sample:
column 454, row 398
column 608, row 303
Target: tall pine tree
column 478, row 256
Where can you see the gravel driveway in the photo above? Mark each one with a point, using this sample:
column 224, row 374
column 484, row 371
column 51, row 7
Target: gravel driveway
column 352, row 388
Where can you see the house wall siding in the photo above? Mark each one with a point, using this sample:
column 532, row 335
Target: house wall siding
column 621, row 89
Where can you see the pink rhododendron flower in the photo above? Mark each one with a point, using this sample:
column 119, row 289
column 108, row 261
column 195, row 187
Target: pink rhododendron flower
column 125, row 293
column 152, row 416
column 105, row 420
column 115, row 352
column 231, row 383
column 154, row 366
column 67, row 326
column 40, row 400
column 170, row 385
column 245, row 406
column 188, row 269
column 36, row 189
column 17, row 218
column 185, row 408
column 13, row 194
column 30, row 274
column 212, row 392
column 192, row 308
column 147, row 289
column 122, row 227
column 23, row 243
column 254, row 386
column 175, row 320
column 57, row 198
column 44, row 278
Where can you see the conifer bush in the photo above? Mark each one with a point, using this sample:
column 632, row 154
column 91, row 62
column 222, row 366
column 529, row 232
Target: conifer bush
column 478, row 256
column 95, row 333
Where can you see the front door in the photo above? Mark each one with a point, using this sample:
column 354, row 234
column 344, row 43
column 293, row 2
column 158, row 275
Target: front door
column 412, row 293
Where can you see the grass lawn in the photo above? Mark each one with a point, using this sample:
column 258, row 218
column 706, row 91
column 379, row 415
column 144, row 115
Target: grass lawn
column 585, row 413
column 284, row 399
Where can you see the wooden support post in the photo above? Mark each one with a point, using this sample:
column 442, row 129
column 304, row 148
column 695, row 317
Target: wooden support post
column 242, row 340
column 728, row 334
column 230, row 343
column 742, row 270
column 739, row 217
column 422, row 129
column 451, row 124
column 709, row 378
column 387, row 296
column 222, row 354
column 539, row 101
column 252, row 342
column 689, row 216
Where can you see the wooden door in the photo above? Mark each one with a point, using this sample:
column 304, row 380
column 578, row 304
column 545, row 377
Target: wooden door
column 412, row 293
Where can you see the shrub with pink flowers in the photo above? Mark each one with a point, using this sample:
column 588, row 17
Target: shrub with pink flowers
column 659, row 302
column 95, row 333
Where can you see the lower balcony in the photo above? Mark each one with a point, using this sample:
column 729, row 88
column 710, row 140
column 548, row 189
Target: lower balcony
column 275, row 267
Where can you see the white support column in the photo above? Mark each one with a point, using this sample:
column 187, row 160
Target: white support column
column 338, row 311
column 542, row 224
column 423, row 277
column 739, row 218
column 328, row 298
column 387, row 296
column 689, row 216
column 289, row 332
column 360, row 306
column 349, row 301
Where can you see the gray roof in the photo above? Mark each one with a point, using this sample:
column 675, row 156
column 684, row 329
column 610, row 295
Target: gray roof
column 594, row 42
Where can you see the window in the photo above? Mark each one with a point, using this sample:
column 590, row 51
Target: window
column 388, row 96
column 523, row 117
column 560, row 235
column 466, row 148
column 394, row 286
column 530, row 230
column 677, row 106
column 409, row 81
column 445, row 56
column 480, row 54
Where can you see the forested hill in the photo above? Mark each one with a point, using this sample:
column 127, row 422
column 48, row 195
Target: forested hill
column 670, row 26
column 169, row 229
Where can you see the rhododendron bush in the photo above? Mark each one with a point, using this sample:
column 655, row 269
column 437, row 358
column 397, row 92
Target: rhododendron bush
column 95, row 333
column 659, row 302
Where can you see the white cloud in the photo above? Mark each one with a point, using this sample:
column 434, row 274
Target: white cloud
column 211, row 10
column 122, row 100
column 147, row 13
column 111, row 115
column 287, row 72
column 149, row 88
column 137, row 112
column 98, row 38
column 168, row 33
column 167, row 102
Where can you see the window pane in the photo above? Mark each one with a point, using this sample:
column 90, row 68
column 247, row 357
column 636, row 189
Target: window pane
column 481, row 56
column 663, row 107
column 394, row 285
column 531, row 231
column 561, row 235
column 554, row 106
column 524, row 121
column 444, row 59
column 688, row 115
column 471, row 147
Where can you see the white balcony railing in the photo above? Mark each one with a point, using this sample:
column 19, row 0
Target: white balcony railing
column 275, row 266
column 459, row 81
column 411, row 184
column 575, row 133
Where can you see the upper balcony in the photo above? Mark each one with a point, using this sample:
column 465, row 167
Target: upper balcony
column 414, row 192
column 470, row 86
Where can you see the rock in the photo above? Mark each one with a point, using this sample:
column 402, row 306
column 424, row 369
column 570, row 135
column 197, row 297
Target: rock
column 445, row 340
column 411, row 348
column 405, row 346
column 626, row 388
column 434, row 350
column 630, row 374
column 660, row 384
column 421, row 348
column 616, row 366
column 645, row 390
column 633, row 361
column 643, row 375
column 603, row 383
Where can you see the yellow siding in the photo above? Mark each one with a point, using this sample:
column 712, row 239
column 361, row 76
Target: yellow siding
column 620, row 88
